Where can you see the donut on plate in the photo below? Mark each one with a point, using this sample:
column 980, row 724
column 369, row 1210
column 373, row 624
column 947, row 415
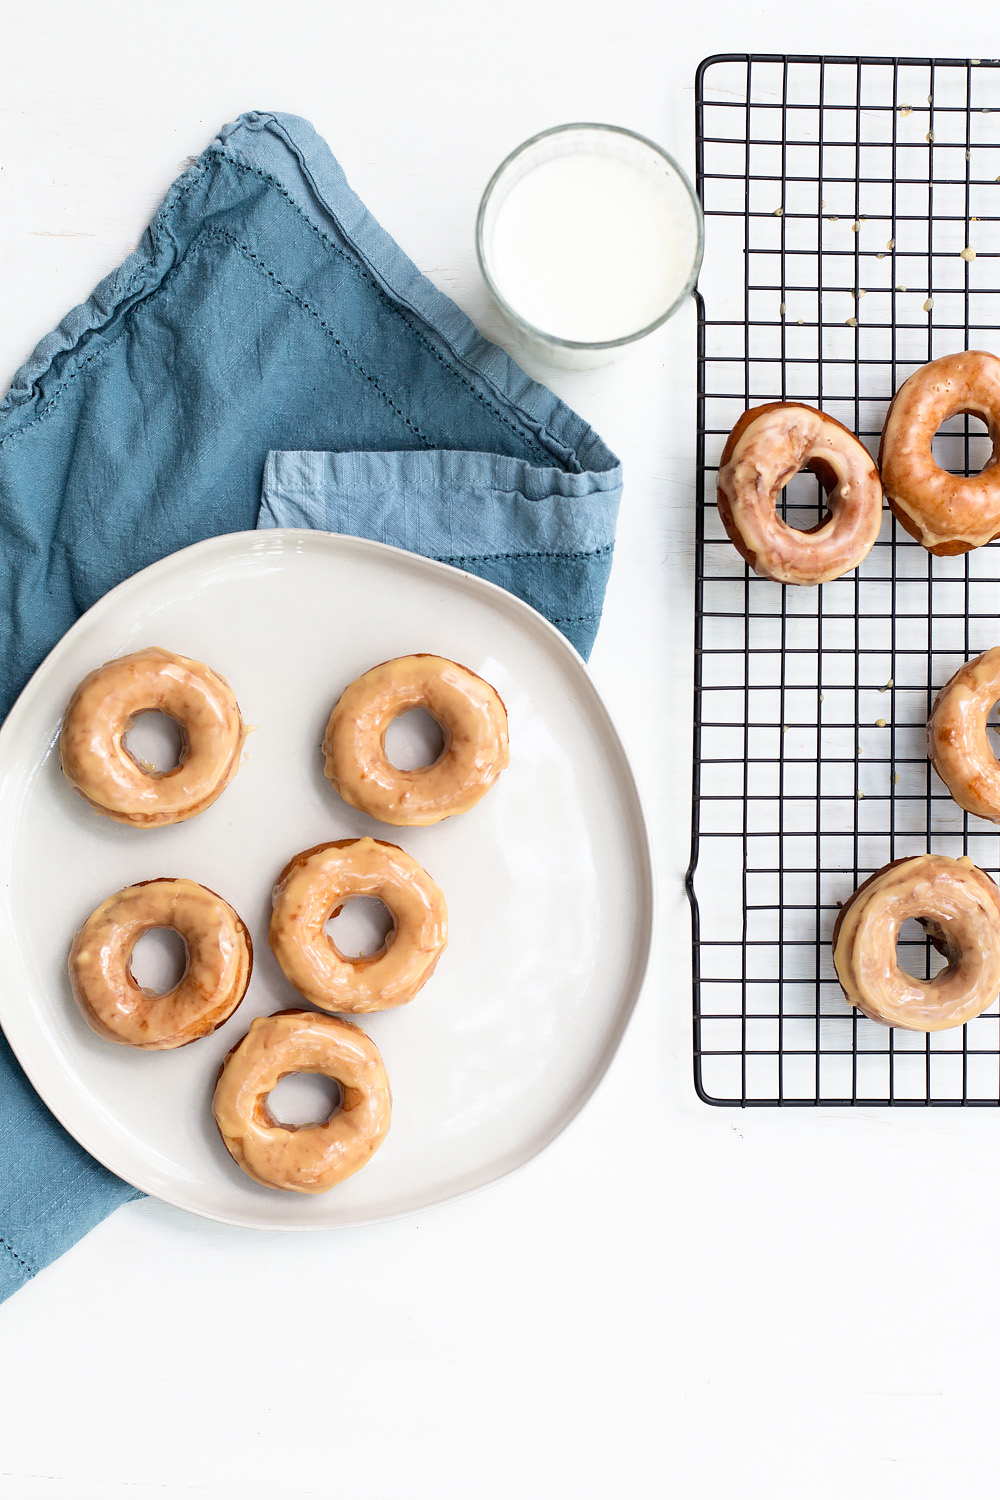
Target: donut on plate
column 219, row 963
column 957, row 741
column 958, row 907
column 302, row 1158
column 97, row 761
column 947, row 513
column 314, row 886
column 472, row 718
column 767, row 447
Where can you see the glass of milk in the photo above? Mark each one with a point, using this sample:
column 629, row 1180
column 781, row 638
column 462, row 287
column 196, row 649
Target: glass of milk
column 589, row 237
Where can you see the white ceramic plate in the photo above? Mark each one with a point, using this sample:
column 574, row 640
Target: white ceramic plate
column 547, row 879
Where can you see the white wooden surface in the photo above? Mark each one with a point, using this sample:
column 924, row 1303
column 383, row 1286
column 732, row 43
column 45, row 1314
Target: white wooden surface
column 674, row 1299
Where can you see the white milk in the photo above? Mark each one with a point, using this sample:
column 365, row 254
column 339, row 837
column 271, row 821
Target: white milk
column 591, row 248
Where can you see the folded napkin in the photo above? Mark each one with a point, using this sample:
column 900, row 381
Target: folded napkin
column 268, row 356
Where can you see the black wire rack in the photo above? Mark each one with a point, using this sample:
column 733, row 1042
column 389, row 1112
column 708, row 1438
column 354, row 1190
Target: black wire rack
column 852, row 212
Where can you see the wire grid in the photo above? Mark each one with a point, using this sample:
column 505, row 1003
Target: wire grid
column 839, row 194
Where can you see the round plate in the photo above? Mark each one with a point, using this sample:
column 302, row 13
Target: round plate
column 547, row 880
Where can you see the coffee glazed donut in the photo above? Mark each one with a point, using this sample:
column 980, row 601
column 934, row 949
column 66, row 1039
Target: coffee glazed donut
column 302, row 1158
column 98, row 763
column 957, row 741
column 947, row 513
column 312, row 888
column 219, row 963
column 959, row 909
column 767, row 447
column 470, row 713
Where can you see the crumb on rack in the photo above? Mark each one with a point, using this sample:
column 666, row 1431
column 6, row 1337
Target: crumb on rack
column 968, row 253
column 781, row 308
column 895, row 777
column 890, row 244
column 851, row 322
column 905, row 109
column 858, row 293
column 928, row 304
column 929, row 137
column 778, row 212
column 887, row 686
column 879, row 723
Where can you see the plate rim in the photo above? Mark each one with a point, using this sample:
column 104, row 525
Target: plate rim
column 304, row 538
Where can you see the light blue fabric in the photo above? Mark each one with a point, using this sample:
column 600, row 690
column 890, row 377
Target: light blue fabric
column 267, row 331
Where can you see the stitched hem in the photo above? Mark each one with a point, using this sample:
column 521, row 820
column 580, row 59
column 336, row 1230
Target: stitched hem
column 524, row 433
column 20, row 395
column 255, row 260
column 162, row 286
column 465, row 557
column 592, row 614
column 25, row 1265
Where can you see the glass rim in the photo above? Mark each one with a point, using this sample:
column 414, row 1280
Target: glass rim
column 532, row 328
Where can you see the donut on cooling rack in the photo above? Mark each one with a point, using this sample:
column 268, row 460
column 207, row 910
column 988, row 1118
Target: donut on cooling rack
column 472, row 718
column 98, row 763
column 766, row 448
column 314, row 886
column 219, row 962
column 959, row 909
column 957, row 742
column 947, row 513
column 302, row 1158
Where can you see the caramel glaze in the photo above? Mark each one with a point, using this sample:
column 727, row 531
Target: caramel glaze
column 947, row 513
column 302, row 1158
column 767, row 447
column 472, row 718
column 313, row 887
column 219, row 963
column 957, row 741
column 97, row 762
column 959, row 908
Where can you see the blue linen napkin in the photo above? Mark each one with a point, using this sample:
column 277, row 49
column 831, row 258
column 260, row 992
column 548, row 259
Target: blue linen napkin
column 267, row 331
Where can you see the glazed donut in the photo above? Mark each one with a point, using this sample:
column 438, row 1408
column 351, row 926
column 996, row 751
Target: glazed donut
column 470, row 713
column 959, row 909
column 219, row 961
column 314, row 886
column 957, row 742
column 98, row 763
column 302, row 1158
column 947, row 513
column 767, row 447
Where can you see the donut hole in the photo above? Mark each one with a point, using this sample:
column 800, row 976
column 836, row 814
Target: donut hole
column 916, row 953
column 962, row 445
column 414, row 740
column 156, row 742
column 304, row 1099
column 993, row 728
column 361, row 927
column 159, row 960
column 801, row 503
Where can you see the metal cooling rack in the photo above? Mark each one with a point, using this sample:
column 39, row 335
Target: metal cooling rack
column 839, row 194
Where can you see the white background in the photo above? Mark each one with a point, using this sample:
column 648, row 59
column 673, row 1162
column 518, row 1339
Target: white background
column 673, row 1299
